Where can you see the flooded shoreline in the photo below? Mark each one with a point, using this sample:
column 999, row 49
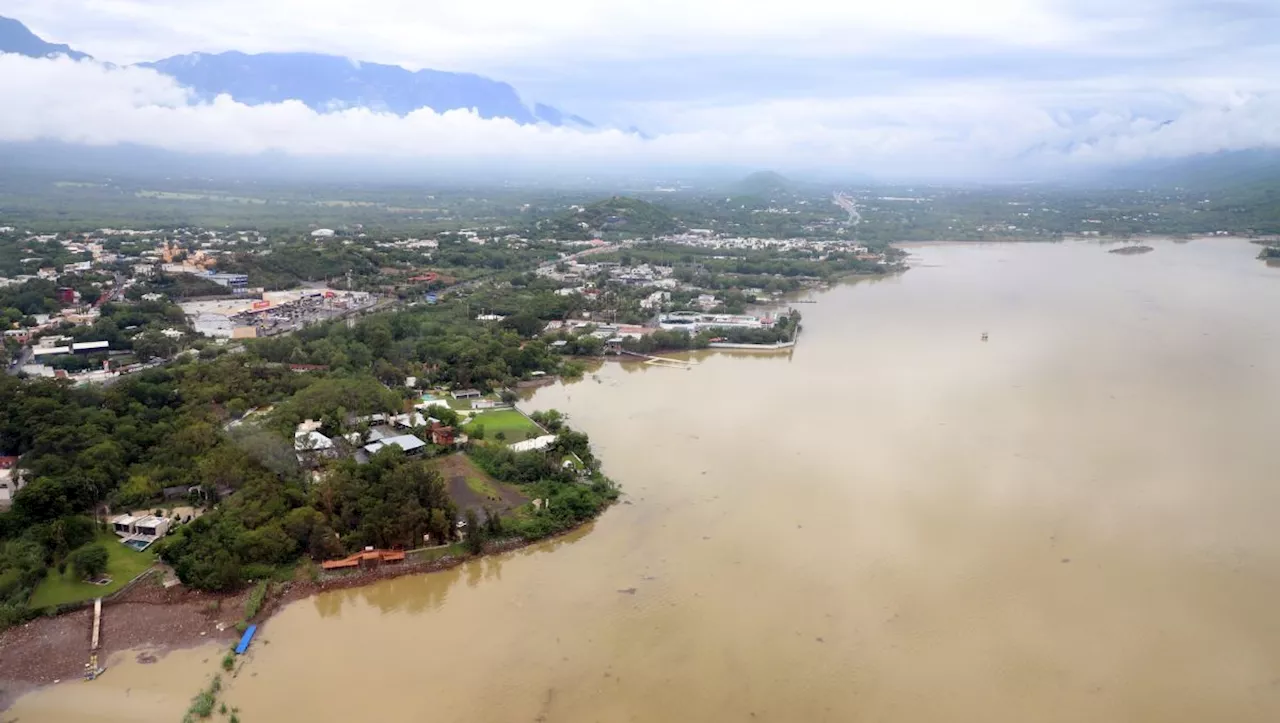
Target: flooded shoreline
column 1071, row 522
column 154, row 622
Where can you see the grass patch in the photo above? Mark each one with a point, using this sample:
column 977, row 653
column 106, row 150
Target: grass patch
column 123, row 564
column 435, row 553
column 481, row 486
column 285, row 573
column 471, row 487
column 254, row 602
column 514, row 425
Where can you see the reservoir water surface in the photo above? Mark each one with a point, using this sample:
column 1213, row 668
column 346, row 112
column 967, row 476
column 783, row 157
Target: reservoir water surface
column 1075, row 520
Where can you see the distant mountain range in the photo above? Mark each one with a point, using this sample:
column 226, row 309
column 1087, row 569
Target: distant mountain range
column 323, row 82
column 16, row 38
column 1224, row 169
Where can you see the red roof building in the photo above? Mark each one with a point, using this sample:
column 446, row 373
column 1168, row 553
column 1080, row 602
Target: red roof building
column 442, row 436
column 367, row 557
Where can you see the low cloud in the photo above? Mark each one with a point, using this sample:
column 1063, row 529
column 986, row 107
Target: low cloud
column 943, row 131
column 483, row 34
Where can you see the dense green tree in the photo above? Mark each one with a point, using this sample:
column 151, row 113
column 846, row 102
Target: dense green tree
column 551, row 419
column 89, row 561
column 524, row 324
column 476, row 534
column 439, row 526
column 492, row 523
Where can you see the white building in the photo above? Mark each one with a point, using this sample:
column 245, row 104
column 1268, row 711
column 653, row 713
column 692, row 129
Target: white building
column 215, row 325
column 90, row 346
column 409, row 421
column 10, row 480
column 38, row 370
column 530, row 445
column 693, row 322
column 655, row 300
column 406, row 442
column 145, row 526
column 323, row 233
column 311, row 441
column 40, row 352
column 49, row 341
column 182, row 269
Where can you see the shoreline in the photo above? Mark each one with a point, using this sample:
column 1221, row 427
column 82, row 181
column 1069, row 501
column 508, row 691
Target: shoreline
column 730, row 346
column 1136, row 238
column 154, row 621
column 147, row 618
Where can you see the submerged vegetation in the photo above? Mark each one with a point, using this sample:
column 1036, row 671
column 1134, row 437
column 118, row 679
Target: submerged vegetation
column 202, row 705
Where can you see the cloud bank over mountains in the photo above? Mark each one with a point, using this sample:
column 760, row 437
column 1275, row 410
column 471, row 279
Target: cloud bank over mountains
column 918, row 89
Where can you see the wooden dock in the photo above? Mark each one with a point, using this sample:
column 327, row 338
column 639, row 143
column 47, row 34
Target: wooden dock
column 92, row 669
column 97, row 623
column 662, row 361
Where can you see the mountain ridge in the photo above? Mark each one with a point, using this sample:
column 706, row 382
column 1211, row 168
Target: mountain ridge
column 325, row 83
column 330, row 82
column 18, row 38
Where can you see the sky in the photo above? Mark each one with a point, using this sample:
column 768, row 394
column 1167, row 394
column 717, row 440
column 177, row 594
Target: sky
column 927, row 88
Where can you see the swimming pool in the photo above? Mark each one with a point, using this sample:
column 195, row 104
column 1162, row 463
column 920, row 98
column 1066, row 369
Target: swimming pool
column 138, row 545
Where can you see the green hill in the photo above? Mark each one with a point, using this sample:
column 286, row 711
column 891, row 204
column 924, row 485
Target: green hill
column 620, row 216
column 762, row 183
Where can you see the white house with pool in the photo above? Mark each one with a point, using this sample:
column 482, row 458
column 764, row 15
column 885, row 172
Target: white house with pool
column 139, row 532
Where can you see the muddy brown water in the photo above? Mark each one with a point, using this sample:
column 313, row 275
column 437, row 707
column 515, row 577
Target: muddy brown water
column 1073, row 521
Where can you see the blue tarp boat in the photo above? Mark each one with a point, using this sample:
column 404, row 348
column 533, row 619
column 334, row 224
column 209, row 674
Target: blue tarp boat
column 244, row 641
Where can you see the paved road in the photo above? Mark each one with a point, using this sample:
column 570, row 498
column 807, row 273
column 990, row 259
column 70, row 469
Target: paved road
column 24, row 357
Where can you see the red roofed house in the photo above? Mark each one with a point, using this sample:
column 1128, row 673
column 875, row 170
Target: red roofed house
column 442, row 436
